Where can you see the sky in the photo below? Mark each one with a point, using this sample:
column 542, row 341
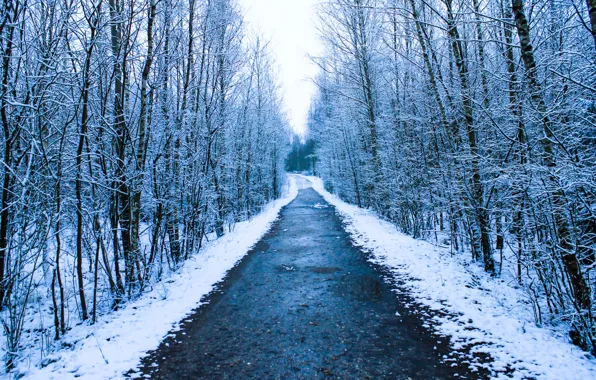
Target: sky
column 289, row 26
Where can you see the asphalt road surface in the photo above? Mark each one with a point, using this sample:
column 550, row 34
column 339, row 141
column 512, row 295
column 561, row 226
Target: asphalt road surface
column 304, row 304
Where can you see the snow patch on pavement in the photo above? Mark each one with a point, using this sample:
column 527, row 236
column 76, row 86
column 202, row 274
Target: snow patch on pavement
column 117, row 342
column 484, row 312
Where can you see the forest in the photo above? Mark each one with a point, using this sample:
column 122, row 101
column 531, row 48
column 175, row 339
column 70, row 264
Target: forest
column 471, row 124
column 133, row 131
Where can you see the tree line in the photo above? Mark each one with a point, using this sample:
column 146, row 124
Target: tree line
column 302, row 157
column 133, row 131
column 472, row 123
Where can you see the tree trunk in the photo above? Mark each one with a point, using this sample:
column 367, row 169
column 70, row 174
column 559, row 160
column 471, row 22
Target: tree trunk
column 481, row 54
column 516, row 109
column 592, row 11
column 477, row 197
column 121, row 183
column 79, row 163
column 581, row 290
column 362, row 55
column 8, row 142
column 141, row 147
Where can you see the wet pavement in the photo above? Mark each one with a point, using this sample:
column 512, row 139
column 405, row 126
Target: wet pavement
column 304, row 304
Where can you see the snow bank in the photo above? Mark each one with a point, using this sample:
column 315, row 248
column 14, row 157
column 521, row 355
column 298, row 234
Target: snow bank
column 483, row 311
column 119, row 340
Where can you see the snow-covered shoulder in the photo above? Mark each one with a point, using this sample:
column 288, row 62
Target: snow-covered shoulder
column 118, row 341
column 484, row 312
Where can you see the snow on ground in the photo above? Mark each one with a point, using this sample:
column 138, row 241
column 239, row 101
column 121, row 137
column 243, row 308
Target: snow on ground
column 119, row 340
column 483, row 311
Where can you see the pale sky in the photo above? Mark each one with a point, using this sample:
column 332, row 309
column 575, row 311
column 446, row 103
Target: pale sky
column 289, row 25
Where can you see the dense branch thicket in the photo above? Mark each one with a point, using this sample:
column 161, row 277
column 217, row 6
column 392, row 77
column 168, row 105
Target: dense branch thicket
column 473, row 122
column 132, row 130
